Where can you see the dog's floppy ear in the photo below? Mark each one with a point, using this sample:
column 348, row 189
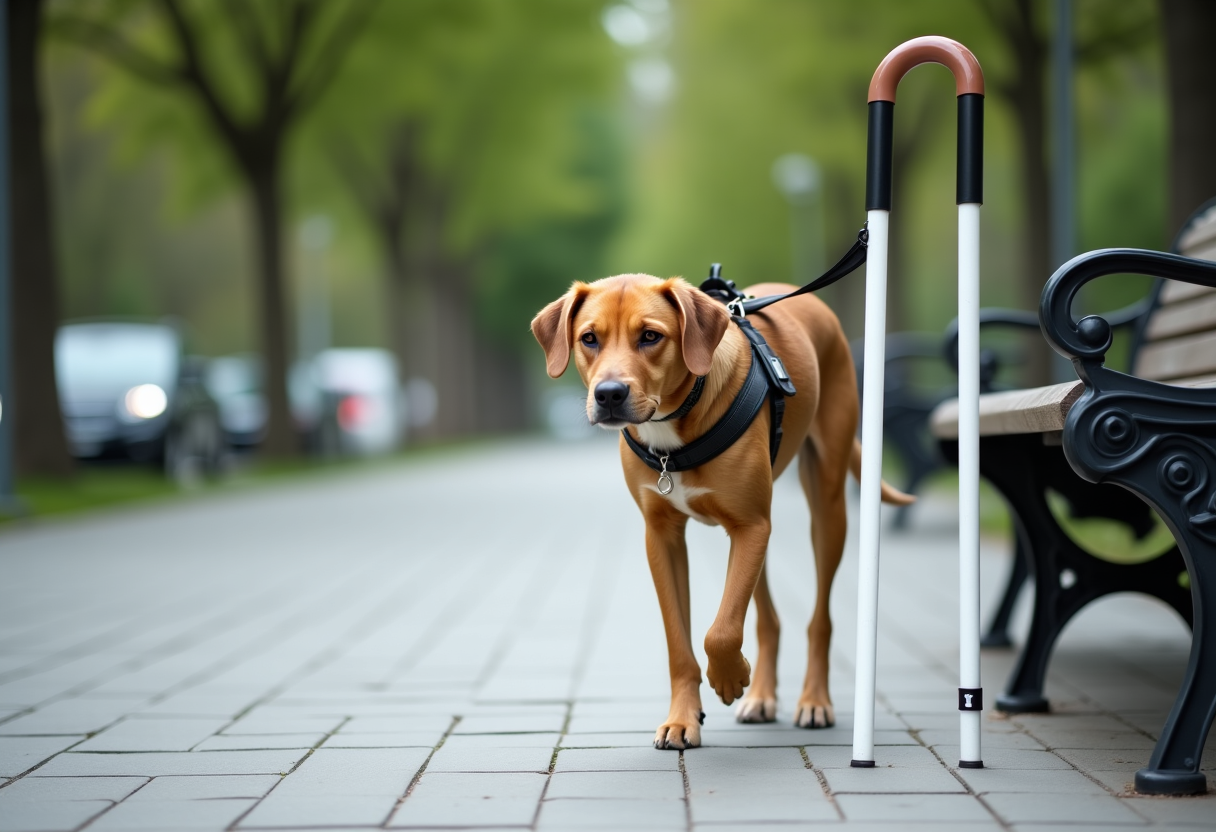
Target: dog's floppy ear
column 551, row 326
column 703, row 321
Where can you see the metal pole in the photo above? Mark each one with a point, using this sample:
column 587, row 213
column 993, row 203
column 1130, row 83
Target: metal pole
column 969, row 479
column 873, row 362
column 7, row 498
column 1063, row 170
column 1063, row 178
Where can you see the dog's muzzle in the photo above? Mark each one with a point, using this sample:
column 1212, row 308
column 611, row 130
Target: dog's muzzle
column 612, row 408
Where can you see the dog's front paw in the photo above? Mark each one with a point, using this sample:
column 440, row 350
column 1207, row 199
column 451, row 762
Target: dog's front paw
column 756, row 707
column 679, row 734
column 814, row 713
column 729, row 678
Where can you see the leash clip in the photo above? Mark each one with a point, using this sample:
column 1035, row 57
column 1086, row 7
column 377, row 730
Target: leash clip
column 735, row 307
column 665, row 478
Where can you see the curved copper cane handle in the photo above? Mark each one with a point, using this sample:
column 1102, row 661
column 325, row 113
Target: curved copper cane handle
column 969, row 82
column 932, row 49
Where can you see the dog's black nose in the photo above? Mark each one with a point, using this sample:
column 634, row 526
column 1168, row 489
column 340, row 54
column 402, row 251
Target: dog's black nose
column 611, row 394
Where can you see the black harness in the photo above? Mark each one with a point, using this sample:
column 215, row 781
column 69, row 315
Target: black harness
column 766, row 379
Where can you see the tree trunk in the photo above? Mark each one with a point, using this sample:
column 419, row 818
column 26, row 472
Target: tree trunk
column 1189, row 26
column 503, row 391
column 38, row 438
column 455, row 374
column 408, row 298
column 281, row 438
column 398, row 293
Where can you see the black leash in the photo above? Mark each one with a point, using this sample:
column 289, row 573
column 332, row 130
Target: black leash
column 766, row 378
column 741, row 304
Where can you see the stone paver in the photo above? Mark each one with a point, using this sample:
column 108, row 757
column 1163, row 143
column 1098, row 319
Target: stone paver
column 507, row 799
column 630, row 813
column 460, row 643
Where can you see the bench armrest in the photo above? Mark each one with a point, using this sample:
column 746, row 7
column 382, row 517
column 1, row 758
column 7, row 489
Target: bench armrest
column 1086, row 341
column 1019, row 319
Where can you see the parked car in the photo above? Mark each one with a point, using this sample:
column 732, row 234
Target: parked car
column 362, row 399
column 343, row 401
column 235, row 382
column 128, row 390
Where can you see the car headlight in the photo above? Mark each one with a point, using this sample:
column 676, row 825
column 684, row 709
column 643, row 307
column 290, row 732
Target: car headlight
column 147, row 401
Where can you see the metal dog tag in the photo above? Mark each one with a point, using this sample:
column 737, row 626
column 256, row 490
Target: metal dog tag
column 666, row 483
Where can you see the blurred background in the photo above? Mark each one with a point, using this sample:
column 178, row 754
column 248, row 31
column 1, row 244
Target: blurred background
column 284, row 229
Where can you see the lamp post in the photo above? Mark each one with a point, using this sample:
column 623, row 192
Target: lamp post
column 798, row 178
column 8, row 502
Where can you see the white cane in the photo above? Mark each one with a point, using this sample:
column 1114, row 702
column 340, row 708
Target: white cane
column 969, row 82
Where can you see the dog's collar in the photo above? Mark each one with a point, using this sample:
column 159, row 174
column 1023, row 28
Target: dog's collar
column 690, row 401
column 766, row 379
column 725, row 432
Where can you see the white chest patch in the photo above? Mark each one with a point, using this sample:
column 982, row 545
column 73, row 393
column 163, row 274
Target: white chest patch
column 681, row 494
column 659, row 436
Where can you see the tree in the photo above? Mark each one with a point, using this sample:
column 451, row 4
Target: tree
column 39, row 444
column 1189, row 26
column 479, row 145
column 253, row 71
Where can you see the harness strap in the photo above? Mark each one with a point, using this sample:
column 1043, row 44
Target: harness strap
column 779, row 384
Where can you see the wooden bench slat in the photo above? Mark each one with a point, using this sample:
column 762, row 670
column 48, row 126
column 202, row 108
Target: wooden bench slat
column 1207, row 380
column 1190, row 355
column 1198, row 242
column 1182, row 318
column 1029, row 411
column 1176, row 291
column 1015, row 411
column 1202, row 230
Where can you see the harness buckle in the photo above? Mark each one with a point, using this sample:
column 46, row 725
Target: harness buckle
column 735, row 307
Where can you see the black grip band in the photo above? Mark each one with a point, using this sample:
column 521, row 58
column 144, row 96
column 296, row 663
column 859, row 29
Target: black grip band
column 970, row 149
column 878, row 156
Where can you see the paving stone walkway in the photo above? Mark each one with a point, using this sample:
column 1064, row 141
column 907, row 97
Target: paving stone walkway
column 474, row 642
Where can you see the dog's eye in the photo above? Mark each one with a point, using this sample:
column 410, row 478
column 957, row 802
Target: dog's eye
column 589, row 339
column 649, row 336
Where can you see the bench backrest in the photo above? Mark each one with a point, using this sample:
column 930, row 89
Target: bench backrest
column 1178, row 343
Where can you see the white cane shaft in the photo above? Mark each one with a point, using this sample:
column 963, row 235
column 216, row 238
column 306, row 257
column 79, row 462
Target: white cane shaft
column 969, row 468
column 871, row 477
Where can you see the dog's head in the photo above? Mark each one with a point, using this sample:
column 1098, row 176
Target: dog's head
column 635, row 339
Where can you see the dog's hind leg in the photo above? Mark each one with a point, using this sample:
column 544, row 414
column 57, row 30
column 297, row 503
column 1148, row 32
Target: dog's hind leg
column 759, row 704
column 668, row 556
column 823, row 479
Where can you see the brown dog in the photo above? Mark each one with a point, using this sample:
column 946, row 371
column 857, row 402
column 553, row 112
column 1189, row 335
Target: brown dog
column 639, row 343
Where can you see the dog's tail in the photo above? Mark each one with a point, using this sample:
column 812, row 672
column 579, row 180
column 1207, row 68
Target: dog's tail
column 890, row 494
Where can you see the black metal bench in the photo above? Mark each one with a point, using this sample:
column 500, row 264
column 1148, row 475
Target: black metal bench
column 1114, row 444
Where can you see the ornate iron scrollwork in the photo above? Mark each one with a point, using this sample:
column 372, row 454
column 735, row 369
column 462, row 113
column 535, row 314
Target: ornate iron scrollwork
column 1159, row 442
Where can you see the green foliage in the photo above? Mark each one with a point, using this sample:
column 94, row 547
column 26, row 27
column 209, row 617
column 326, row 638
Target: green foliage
column 510, row 107
column 550, row 173
column 531, row 266
column 514, row 103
